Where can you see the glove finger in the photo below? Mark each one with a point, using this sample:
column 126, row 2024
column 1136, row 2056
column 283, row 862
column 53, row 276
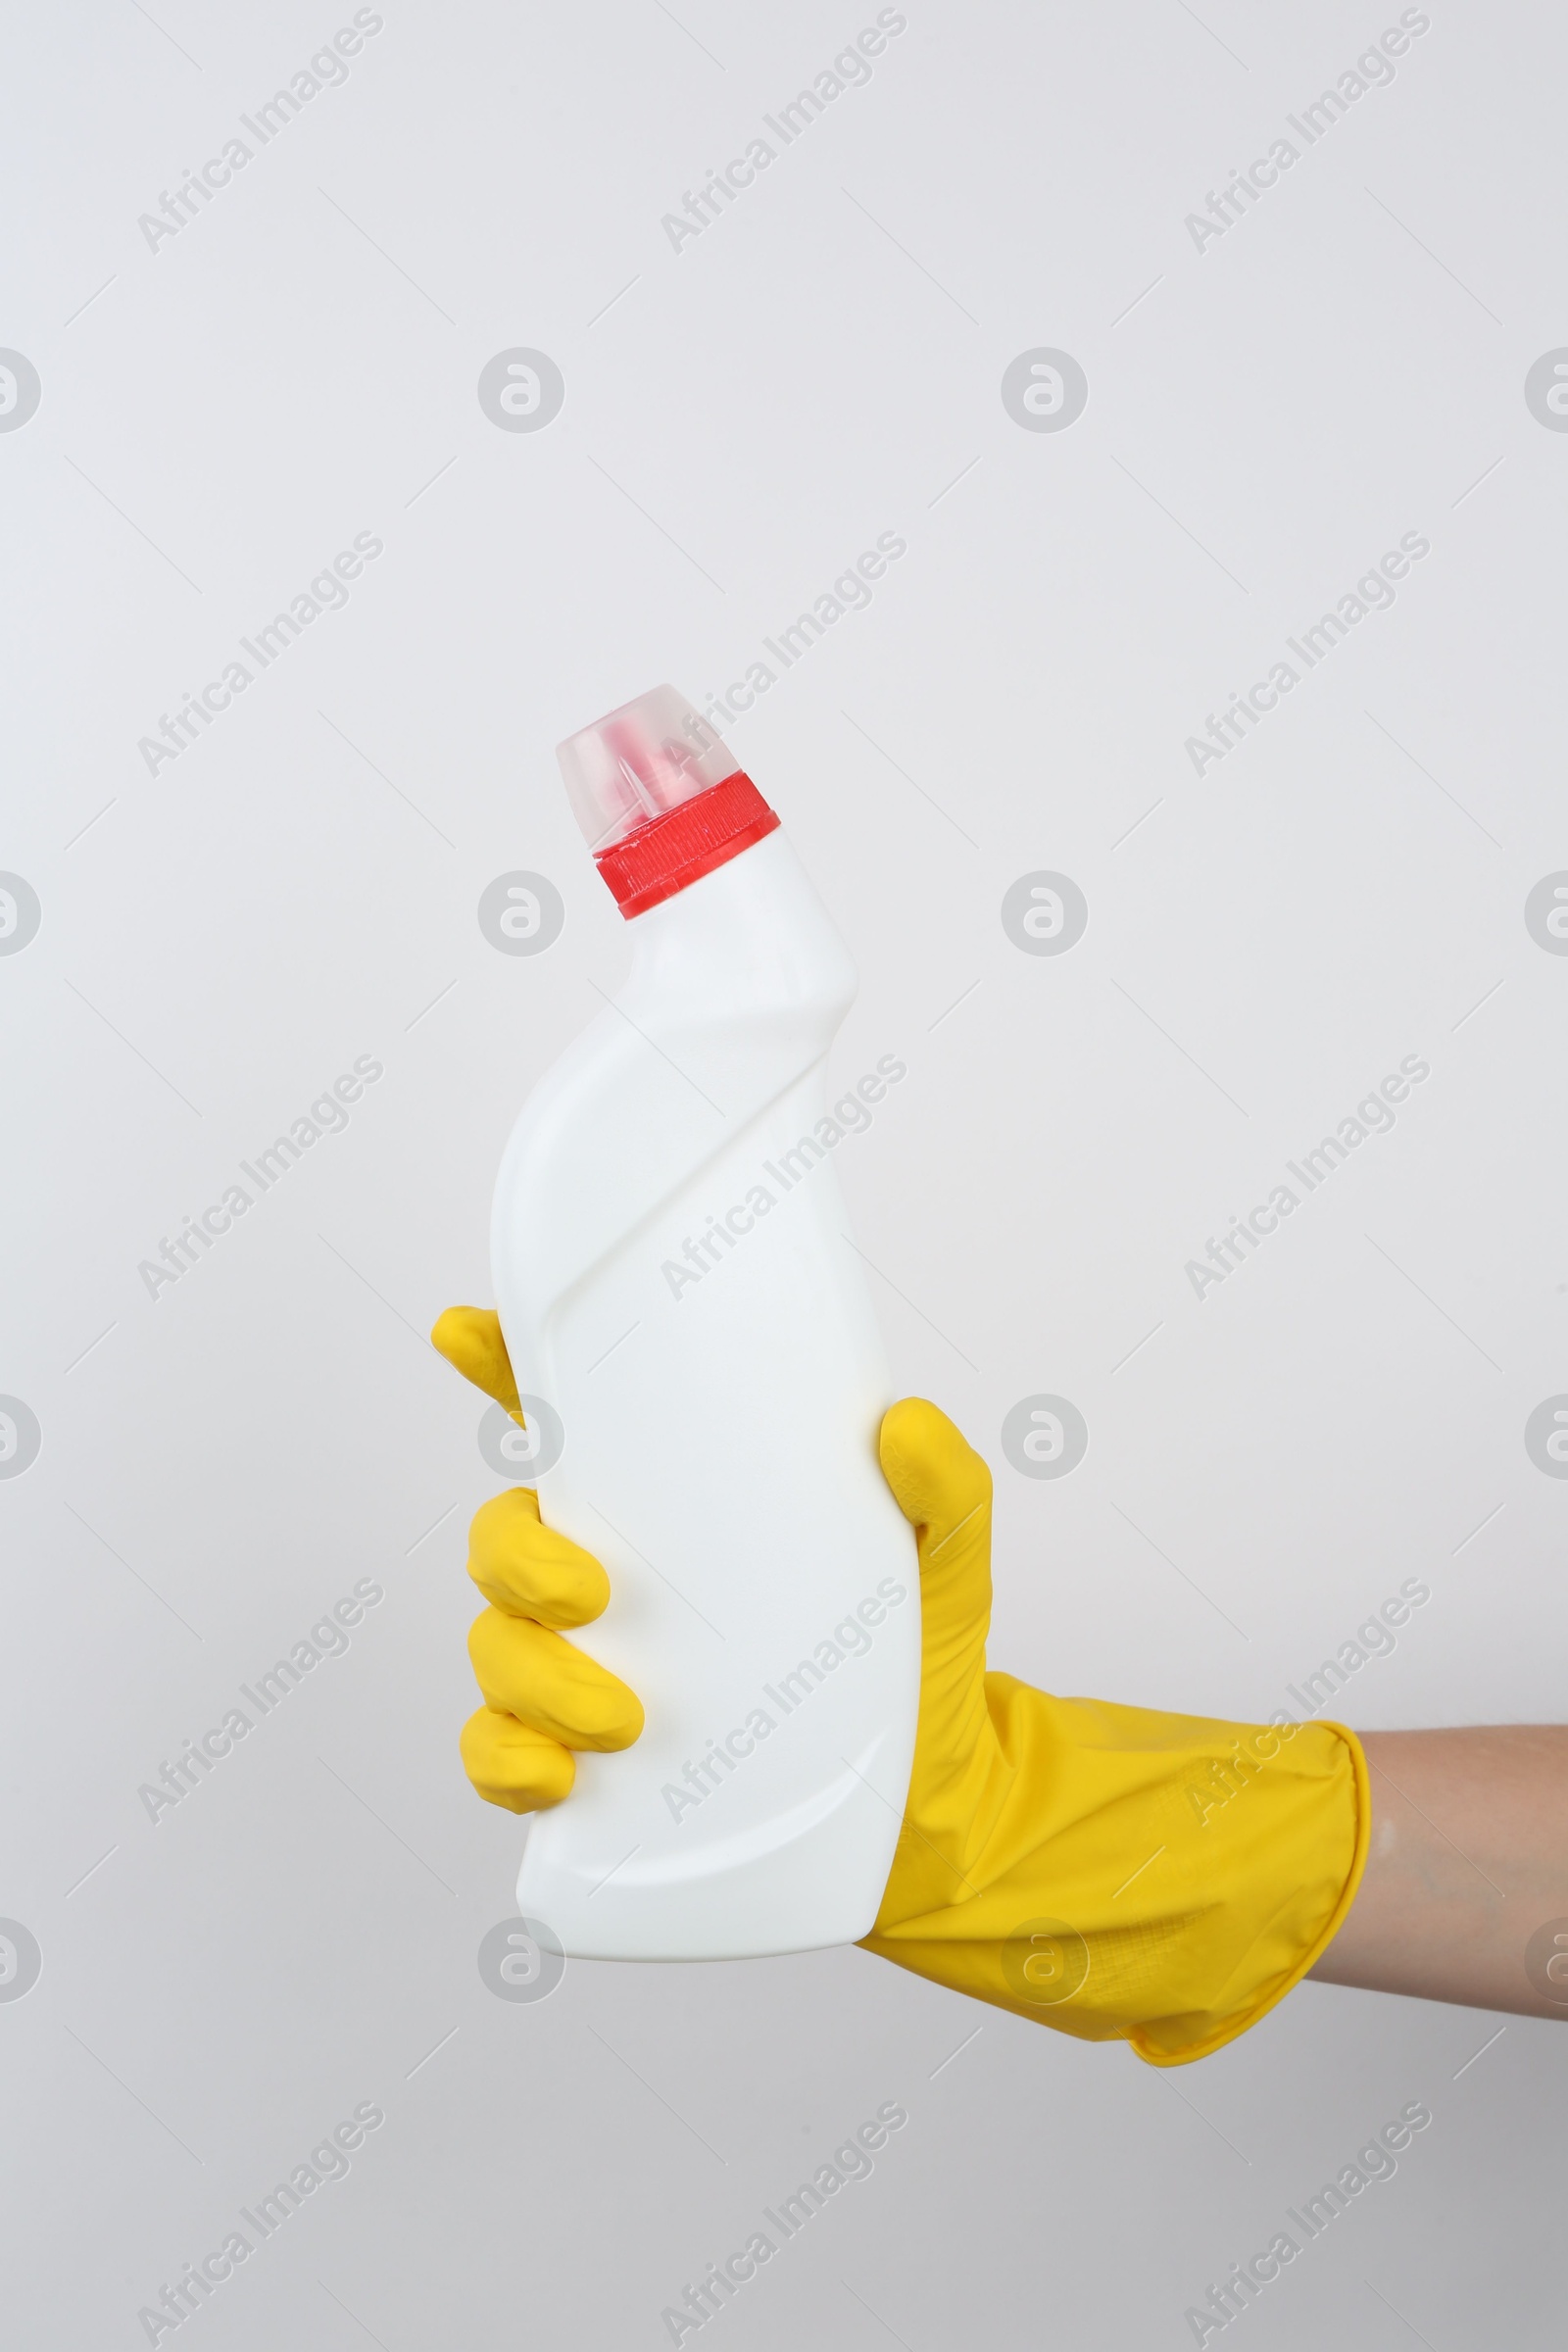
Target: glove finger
column 531, row 1570
column 550, row 1684
column 469, row 1338
column 939, row 1483
column 513, row 1766
column 944, row 1488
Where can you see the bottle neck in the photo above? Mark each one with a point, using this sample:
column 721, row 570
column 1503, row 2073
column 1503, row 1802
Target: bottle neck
column 750, row 940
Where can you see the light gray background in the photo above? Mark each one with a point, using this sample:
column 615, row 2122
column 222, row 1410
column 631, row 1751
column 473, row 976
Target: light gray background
column 1265, row 417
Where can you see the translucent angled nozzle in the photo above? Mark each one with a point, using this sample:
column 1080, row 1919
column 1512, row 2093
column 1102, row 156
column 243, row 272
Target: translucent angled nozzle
column 638, row 763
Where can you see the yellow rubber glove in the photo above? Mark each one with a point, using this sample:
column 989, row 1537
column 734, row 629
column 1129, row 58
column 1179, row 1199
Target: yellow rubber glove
column 1113, row 1872
column 543, row 1697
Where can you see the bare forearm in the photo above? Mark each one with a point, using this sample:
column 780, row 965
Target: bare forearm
column 1468, row 1863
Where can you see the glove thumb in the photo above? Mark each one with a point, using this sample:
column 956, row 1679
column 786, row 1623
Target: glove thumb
column 943, row 1488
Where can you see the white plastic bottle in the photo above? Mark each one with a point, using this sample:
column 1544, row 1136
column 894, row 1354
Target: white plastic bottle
column 677, row 1288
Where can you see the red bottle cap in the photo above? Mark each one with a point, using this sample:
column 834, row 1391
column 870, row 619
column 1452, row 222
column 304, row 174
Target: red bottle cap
column 659, row 798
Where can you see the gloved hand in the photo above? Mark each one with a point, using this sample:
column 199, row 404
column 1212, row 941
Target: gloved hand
column 1111, row 1871
column 543, row 1697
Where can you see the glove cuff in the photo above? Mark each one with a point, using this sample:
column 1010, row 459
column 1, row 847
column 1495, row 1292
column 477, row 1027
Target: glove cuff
column 1163, row 1880
column 1155, row 2044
